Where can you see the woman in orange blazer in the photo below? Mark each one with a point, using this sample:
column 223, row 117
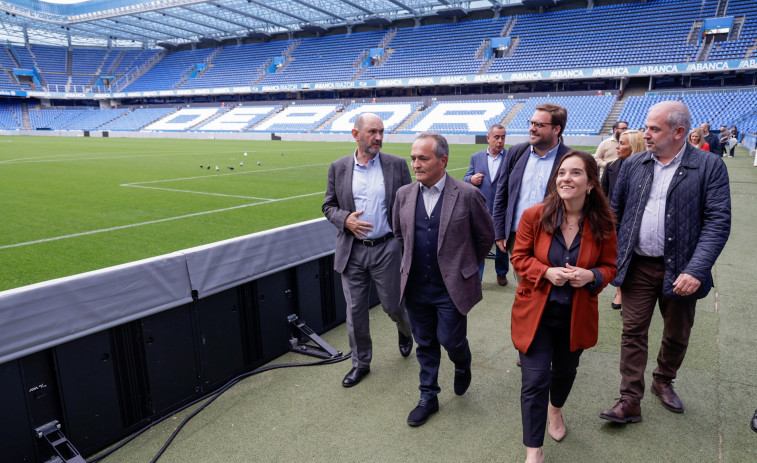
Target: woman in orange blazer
column 565, row 250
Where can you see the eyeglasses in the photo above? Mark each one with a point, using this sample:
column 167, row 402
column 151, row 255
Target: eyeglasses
column 539, row 125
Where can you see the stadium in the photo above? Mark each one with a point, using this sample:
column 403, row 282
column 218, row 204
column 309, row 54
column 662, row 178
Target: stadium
column 163, row 170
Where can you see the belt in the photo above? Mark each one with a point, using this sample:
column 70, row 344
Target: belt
column 376, row 241
column 655, row 259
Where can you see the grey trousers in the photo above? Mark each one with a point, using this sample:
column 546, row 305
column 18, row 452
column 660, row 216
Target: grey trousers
column 381, row 264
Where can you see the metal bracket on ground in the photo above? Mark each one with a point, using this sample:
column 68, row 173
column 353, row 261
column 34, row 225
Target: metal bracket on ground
column 321, row 350
column 66, row 451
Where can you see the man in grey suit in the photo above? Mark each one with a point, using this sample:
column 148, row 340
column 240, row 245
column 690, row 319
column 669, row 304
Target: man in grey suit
column 445, row 231
column 359, row 198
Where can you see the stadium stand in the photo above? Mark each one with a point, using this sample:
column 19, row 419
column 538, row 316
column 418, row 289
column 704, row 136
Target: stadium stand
column 95, row 119
column 170, row 71
column 392, row 113
column 426, row 50
column 10, row 116
column 239, row 119
column 182, row 120
column 237, row 65
column 137, row 119
column 414, row 51
column 615, row 35
column 298, row 118
column 462, row 117
column 58, row 119
column 336, row 58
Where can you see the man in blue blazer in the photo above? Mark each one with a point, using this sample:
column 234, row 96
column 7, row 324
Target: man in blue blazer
column 484, row 171
column 445, row 232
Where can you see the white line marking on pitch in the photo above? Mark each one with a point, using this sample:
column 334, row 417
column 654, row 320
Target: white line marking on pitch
column 197, row 192
column 151, row 222
column 221, row 175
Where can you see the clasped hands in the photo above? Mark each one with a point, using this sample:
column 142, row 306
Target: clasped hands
column 575, row 276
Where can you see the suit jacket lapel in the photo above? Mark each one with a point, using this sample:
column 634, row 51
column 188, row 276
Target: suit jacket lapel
column 485, row 167
column 449, row 194
column 408, row 215
column 588, row 248
column 346, row 186
column 386, row 170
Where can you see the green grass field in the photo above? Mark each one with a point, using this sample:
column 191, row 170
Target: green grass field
column 72, row 205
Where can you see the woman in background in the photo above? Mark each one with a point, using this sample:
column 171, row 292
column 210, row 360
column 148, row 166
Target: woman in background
column 735, row 136
column 565, row 251
column 630, row 142
column 696, row 138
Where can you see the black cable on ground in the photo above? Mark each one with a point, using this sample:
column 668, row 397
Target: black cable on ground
column 210, row 398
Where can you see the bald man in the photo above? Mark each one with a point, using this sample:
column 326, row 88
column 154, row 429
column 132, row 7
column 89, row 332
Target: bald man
column 673, row 209
column 359, row 198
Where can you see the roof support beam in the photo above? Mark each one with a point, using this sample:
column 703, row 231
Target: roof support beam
column 141, row 27
column 402, row 5
column 173, row 26
column 277, row 10
column 171, row 15
column 313, row 7
column 252, row 16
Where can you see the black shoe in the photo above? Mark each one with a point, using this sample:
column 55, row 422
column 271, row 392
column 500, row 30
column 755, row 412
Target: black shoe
column 754, row 422
column 422, row 411
column 406, row 344
column 616, row 306
column 462, row 380
column 354, row 376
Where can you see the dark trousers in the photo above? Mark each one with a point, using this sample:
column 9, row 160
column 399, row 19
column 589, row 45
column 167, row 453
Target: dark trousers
column 434, row 326
column 548, row 370
column 501, row 263
column 642, row 289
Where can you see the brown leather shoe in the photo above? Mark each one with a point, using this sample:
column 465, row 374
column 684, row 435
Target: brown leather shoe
column 668, row 397
column 626, row 410
column 502, row 280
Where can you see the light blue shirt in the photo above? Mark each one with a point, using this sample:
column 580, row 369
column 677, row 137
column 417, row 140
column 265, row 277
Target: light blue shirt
column 534, row 181
column 493, row 164
column 652, row 233
column 431, row 195
column 369, row 194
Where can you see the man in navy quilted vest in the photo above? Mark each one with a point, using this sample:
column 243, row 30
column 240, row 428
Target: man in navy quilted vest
column 673, row 212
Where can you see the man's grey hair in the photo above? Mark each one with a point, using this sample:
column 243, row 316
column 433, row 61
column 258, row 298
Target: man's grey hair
column 679, row 115
column 441, row 148
column 495, row 127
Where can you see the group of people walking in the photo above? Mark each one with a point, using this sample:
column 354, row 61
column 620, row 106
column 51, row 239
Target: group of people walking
column 653, row 226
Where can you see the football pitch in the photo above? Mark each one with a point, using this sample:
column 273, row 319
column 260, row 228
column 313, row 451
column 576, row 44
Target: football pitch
column 73, row 204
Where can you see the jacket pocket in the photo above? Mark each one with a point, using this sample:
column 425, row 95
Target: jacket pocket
column 469, row 271
column 523, row 293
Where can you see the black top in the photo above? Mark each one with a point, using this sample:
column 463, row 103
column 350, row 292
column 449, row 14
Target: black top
column 560, row 298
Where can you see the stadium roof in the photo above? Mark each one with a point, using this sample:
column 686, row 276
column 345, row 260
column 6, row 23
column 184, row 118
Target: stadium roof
column 129, row 23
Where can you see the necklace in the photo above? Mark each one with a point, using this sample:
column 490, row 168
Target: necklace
column 570, row 225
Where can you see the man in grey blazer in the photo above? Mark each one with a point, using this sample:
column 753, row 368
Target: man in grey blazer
column 359, row 198
column 445, row 231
